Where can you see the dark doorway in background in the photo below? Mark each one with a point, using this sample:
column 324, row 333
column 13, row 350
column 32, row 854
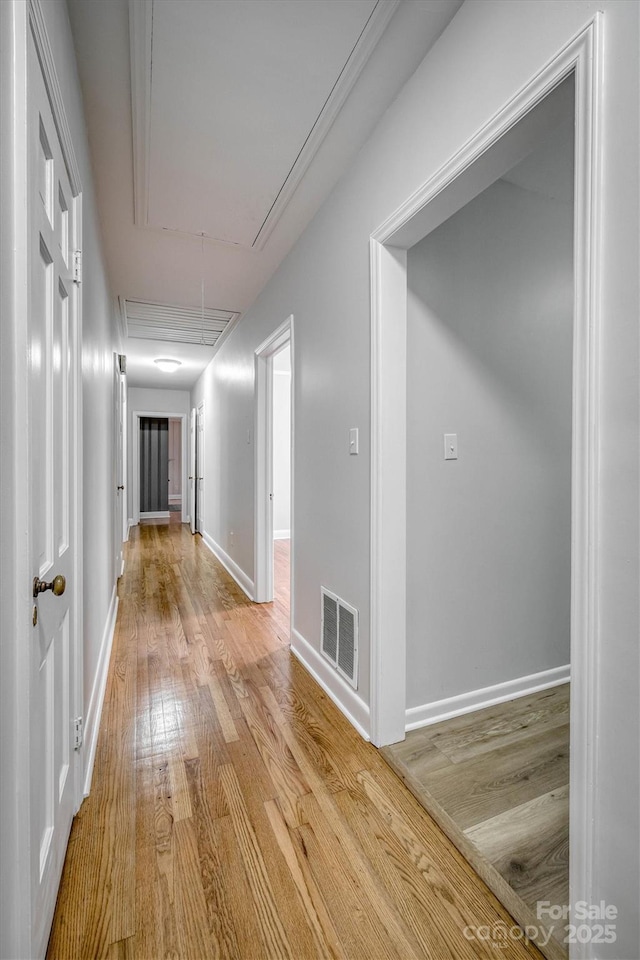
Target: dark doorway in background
column 154, row 467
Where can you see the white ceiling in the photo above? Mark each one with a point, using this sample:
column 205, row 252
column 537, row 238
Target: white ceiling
column 244, row 79
column 143, row 372
column 218, row 127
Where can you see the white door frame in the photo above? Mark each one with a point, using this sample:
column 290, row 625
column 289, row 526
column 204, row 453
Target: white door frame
column 389, row 245
column 135, row 457
column 263, row 505
column 193, row 429
column 198, row 476
column 119, row 467
column 19, row 21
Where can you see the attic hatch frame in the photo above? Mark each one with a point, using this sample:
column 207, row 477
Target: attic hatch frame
column 417, row 216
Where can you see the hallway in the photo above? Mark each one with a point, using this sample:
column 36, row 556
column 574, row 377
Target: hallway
column 234, row 812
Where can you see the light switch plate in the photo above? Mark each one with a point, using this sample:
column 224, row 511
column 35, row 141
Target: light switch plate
column 353, row 441
column 451, row 446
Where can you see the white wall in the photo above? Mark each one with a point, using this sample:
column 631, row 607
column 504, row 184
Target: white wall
column 489, row 347
column 489, row 52
column 152, row 401
column 282, row 444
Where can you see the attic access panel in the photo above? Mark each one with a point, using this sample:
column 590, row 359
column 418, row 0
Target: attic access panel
column 221, row 143
column 161, row 321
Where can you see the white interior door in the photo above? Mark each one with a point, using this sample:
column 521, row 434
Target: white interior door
column 200, row 468
column 118, row 464
column 192, row 470
column 53, row 497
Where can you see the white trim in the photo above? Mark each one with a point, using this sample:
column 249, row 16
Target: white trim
column 585, row 521
column 15, row 876
column 232, row 568
column 338, row 690
column 191, row 476
column 428, row 713
column 583, row 54
column 263, row 461
column 96, row 701
column 135, row 467
column 282, row 534
column 130, row 523
column 199, row 478
column 154, row 515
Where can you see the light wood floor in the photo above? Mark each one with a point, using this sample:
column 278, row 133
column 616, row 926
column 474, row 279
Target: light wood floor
column 498, row 781
column 234, row 812
column 282, row 582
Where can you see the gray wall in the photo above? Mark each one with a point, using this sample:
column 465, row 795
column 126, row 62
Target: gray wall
column 489, row 346
column 487, row 54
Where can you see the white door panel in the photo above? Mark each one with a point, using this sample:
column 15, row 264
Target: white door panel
column 192, row 470
column 52, row 366
column 200, row 469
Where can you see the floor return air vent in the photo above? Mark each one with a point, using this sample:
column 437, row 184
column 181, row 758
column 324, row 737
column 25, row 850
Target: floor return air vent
column 340, row 635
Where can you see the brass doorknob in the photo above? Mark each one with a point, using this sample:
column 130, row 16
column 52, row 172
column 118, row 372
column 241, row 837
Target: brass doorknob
column 57, row 586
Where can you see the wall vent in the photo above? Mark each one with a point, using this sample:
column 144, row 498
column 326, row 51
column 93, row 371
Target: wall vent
column 340, row 635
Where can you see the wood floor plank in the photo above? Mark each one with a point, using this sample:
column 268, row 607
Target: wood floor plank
column 274, row 937
column 463, row 738
column 147, row 941
column 325, row 935
column 475, row 790
column 527, row 843
column 276, row 756
column 196, row 936
column 227, row 724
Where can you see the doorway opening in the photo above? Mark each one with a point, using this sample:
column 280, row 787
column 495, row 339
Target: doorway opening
column 153, row 475
column 196, row 470
column 509, row 138
column 175, row 466
column 274, row 540
column 281, row 483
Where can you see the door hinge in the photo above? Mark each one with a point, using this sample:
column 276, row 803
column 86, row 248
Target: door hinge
column 78, row 731
column 77, row 266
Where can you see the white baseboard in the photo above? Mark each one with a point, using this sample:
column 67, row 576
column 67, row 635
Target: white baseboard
column 155, row 515
column 282, row 534
column 240, row 577
column 175, row 498
column 456, row 706
column 345, row 698
column 94, row 710
column 130, row 523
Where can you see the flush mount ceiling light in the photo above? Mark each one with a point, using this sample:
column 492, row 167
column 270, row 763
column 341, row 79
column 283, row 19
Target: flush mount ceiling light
column 167, row 365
